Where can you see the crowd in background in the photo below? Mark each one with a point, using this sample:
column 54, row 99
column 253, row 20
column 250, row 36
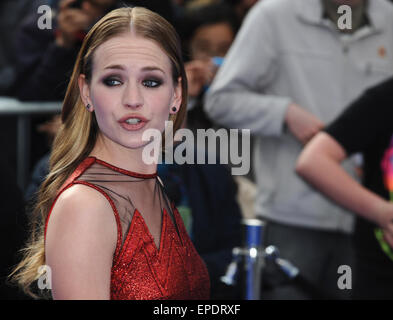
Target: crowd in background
column 282, row 69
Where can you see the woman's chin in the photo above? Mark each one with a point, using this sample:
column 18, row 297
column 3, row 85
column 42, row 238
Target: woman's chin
column 136, row 145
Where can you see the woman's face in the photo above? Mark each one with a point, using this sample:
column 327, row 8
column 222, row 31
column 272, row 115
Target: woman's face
column 131, row 89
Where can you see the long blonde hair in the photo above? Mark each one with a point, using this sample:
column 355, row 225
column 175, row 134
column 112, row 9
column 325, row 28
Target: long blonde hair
column 79, row 130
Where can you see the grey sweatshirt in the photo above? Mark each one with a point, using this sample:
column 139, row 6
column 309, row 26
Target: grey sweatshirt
column 287, row 52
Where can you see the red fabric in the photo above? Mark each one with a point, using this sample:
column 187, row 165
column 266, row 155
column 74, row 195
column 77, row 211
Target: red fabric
column 140, row 270
column 174, row 271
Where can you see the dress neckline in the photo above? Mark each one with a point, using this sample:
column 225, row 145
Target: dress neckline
column 124, row 171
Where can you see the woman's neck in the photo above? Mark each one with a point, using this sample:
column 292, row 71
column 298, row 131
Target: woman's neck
column 122, row 157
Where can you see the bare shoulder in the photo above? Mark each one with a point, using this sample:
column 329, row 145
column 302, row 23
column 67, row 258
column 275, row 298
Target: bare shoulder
column 80, row 243
column 83, row 203
column 82, row 192
column 84, row 214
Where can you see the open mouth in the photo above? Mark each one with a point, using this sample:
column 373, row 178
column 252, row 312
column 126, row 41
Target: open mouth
column 133, row 121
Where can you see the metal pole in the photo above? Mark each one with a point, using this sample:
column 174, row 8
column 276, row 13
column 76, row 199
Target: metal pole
column 23, row 150
column 253, row 232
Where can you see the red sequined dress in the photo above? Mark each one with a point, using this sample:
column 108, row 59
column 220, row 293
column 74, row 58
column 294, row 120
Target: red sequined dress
column 141, row 269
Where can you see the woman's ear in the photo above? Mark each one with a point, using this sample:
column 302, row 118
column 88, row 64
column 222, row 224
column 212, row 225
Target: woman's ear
column 84, row 91
column 177, row 97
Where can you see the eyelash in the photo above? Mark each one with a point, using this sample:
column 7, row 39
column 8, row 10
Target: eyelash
column 154, row 83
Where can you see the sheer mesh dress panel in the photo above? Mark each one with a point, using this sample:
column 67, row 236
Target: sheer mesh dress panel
column 130, row 191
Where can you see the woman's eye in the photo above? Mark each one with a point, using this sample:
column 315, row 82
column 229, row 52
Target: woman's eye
column 111, row 82
column 151, row 83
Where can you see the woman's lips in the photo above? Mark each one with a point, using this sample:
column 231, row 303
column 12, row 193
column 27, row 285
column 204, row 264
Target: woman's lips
column 133, row 126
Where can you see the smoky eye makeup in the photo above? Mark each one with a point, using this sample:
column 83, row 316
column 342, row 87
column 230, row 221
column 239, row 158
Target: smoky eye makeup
column 152, row 81
column 111, row 80
column 149, row 82
column 148, row 79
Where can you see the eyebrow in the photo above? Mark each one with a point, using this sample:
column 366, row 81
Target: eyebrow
column 147, row 68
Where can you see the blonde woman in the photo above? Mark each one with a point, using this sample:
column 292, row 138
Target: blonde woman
column 104, row 225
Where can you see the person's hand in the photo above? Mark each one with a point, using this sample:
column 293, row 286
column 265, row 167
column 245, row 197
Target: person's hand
column 301, row 123
column 69, row 22
column 199, row 73
column 384, row 219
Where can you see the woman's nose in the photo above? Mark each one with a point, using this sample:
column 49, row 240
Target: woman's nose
column 132, row 96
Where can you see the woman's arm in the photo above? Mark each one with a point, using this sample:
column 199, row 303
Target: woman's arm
column 80, row 244
column 319, row 164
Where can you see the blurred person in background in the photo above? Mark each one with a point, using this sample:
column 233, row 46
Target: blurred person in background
column 45, row 56
column 12, row 13
column 208, row 32
column 291, row 69
column 366, row 126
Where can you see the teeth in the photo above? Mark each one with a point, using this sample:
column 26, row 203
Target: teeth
column 133, row 121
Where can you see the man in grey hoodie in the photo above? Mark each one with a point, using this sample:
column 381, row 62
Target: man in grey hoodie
column 292, row 69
